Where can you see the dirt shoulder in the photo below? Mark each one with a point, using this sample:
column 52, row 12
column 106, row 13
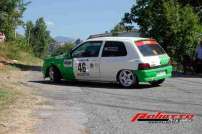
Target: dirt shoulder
column 17, row 101
column 29, row 106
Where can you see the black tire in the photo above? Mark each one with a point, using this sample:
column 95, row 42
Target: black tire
column 54, row 74
column 131, row 78
column 157, row 83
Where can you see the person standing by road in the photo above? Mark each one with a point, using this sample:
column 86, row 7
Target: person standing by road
column 199, row 58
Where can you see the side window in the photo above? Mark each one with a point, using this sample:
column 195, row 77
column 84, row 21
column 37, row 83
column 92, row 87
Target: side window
column 114, row 49
column 88, row 49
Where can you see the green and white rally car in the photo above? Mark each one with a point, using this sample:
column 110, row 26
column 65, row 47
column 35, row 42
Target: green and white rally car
column 125, row 60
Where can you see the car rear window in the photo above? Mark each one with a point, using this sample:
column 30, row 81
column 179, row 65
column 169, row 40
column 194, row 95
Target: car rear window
column 150, row 48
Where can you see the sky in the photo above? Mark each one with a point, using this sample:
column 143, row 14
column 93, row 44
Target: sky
column 77, row 18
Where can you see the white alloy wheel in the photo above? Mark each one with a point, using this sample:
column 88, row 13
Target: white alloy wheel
column 126, row 78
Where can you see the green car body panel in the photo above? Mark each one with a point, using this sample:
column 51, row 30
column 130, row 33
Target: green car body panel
column 66, row 69
column 149, row 75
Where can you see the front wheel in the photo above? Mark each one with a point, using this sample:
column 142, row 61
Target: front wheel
column 127, row 79
column 157, row 83
column 54, row 74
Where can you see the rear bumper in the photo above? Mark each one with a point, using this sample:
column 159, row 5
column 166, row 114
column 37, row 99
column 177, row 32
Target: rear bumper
column 153, row 74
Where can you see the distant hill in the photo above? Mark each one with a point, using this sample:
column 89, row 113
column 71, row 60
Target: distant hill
column 63, row 39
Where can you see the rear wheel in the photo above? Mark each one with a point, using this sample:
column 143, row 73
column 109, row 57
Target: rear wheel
column 127, row 79
column 157, row 83
column 54, row 74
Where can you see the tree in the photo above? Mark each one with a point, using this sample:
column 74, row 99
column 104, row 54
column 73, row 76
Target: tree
column 38, row 37
column 183, row 27
column 193, row 3
column 63, row 49
column 196, row 4
column 29, row 26
column 176, row 26
column 118, row 28
column 10, row 16
column 121, row 27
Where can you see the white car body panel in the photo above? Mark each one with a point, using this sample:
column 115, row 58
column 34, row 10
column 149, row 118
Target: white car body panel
column 92, row 68
column 110, row 66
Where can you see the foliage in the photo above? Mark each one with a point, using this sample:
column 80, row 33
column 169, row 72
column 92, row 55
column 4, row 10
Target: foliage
column 121, row 27
column 38, row 37
column 183, row 27
column 21, row 42
column 15, row 51
column 196, row 4
column 10, row 16
column 29, row 27
column 118, row 28
column 193, row 3
column 174, row 25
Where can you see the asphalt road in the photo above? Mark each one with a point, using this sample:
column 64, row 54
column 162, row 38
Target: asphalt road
column 95, row 108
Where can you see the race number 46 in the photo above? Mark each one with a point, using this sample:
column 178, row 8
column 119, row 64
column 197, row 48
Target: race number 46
column 82, row 67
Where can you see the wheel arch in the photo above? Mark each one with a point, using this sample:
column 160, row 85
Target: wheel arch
column 52, row 65
column 117, row 74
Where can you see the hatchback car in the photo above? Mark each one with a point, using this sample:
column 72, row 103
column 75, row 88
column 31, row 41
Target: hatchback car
column 125, row 60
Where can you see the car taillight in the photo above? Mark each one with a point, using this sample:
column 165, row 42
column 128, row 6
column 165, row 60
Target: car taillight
column 143, row 66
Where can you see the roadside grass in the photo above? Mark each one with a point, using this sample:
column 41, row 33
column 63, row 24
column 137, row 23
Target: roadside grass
column 16, row 57
column 14, row 52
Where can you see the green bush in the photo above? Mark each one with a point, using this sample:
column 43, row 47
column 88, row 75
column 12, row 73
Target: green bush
column 176, row 26
column 16, row 51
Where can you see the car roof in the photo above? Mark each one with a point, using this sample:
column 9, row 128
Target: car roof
column 118, row 39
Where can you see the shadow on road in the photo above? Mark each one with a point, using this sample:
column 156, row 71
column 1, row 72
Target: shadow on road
column 23, row 67
column 91, row 84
